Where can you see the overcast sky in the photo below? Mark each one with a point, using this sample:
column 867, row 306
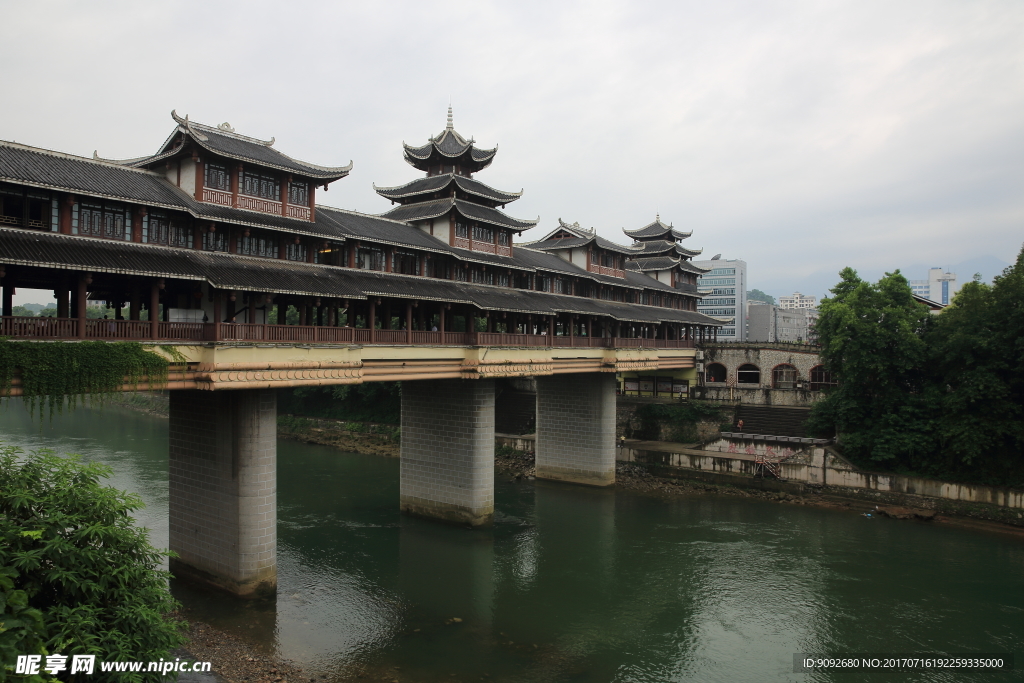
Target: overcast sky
column 800, row 136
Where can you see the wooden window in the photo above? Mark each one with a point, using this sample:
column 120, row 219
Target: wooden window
column 369, row 258
column 215, row 241
column 295, row 252
column 260, row 185
column 784, row 377
column 502, row 280
column 405, row 262
column 461, row 230
column 104, row 219
column 461, row 274
column 503, row 238
column 482, row 233
column 258, row 245
column 821, row 379
column 216, row 177
column 29, row 209
column 298, row 193
column 159, row 227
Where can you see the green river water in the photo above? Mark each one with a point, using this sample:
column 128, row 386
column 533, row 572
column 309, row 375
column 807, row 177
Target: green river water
column 577, row 584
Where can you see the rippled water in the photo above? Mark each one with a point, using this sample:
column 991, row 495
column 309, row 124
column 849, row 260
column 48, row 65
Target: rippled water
column 578, row 584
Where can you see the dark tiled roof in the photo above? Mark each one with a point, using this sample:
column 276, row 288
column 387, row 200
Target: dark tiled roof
column 54, row 170
column 439, row 182
column 450, row 145
column 657, row 229
column 361, row 226
column 486, row 214
column 655, row 263
column 259, row 152
column 440, row 207
column 224, row 271
column 663, row 247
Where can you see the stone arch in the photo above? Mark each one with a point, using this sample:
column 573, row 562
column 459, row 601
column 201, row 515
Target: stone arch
column 714, row 372
column 784, row 376
column 748, row 373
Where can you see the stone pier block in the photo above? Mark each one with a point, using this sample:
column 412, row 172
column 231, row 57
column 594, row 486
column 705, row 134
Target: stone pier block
column 448, row 450
column 223, row 489
column 576, row 428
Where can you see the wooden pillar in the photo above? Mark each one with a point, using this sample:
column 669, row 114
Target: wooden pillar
column 551, row 330
column 8, row 304
column 83, row 288
column 63, row 306
column 440, row 322
column 154, row 311
column 408, row 322
column 371, row 320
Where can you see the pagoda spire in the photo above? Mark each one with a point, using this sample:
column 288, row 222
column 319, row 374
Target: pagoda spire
column 451, row 125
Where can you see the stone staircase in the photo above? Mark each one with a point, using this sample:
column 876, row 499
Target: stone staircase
column 772, row 420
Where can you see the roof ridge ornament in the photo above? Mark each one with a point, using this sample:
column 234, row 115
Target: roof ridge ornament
column 451, row 125
column 226, row 127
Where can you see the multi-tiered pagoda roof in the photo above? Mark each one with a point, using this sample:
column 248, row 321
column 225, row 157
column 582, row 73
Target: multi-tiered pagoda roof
column 449, row 149
column 449, row 203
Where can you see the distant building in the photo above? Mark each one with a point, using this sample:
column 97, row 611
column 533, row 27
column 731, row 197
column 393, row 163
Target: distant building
column 768, row 323
column 940, row 286
column 797, row 301
column 724, row 287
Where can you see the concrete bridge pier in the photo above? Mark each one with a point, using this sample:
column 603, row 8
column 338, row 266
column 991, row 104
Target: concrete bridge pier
column 576, row 428
column 223, row 489
column 447, row 470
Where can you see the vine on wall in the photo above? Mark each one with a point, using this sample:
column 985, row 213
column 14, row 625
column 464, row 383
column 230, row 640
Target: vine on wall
column 53, row 372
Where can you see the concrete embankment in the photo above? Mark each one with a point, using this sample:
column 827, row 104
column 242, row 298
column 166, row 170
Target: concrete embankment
column 810, row 469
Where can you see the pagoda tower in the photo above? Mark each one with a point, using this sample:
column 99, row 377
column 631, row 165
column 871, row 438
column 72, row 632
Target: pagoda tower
column 449, row 203
column 657, row 252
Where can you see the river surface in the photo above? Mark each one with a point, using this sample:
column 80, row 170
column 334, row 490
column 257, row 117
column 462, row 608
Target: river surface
column 576, row 584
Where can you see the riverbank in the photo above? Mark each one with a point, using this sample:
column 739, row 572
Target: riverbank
column 236, row 661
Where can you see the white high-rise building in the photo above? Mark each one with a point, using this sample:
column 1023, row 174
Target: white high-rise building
column 726, row 289
column 797, row 301
column 940, row 286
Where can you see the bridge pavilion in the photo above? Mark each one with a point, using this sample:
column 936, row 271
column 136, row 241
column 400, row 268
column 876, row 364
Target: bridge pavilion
column 205, row 245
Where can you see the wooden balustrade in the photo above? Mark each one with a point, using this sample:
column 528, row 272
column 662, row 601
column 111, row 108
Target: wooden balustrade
column 122, row 330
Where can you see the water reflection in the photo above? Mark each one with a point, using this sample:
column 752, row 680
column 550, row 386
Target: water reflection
column 575, row 584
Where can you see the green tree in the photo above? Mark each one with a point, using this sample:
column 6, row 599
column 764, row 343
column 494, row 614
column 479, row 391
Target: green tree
column 22, row 311
column 978, row 343
column 872, row 340
column 758, row 295
column 78, row 558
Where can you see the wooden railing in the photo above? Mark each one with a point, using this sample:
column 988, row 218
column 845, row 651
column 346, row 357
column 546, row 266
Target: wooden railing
column 216, row 196
column 297, row 211
column 141, row 330
column 259, row 204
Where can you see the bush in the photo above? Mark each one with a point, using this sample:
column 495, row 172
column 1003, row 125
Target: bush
column 70, row 546
column 681, row 419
